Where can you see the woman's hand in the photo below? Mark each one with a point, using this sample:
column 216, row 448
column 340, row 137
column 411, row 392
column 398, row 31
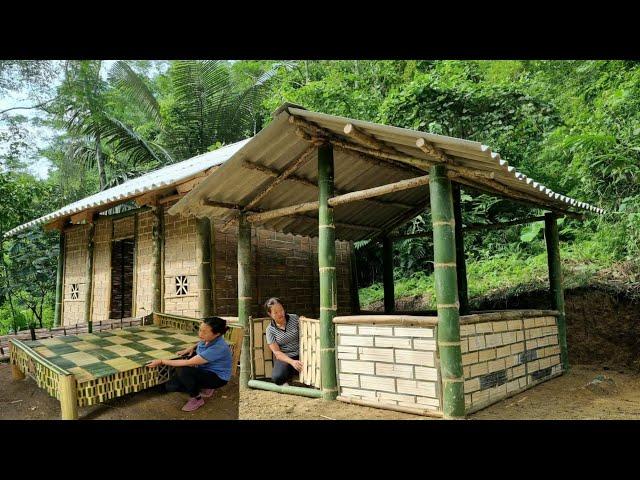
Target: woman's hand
column 297, row 364
column 154, row 363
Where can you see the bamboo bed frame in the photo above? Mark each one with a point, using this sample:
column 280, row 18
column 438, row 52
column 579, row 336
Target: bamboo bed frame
column 73, row 393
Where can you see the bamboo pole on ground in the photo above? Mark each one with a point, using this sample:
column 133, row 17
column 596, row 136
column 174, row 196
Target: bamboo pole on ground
column 327, row 268
column 156, row 278
column 57, row 317
column 288, row 389
column 244, row 295
column 461, row 265
column 446, row 283
column 387, row 275
column 204, row 240
column 555, row 283
column 89, row 268
column 68, row 397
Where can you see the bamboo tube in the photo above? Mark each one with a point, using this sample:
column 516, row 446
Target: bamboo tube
column 327, row 267
column 461, row 266
column 156, row 278
column 89, row 268
column 68, row 397
column 444, row 248
column 396, row 408
column 368, row 140
column 497, row 226
column 287, row 389
column 555, row 283
column 57, row 317
column 244, row 295
column 387, row 275
column 399, row 320
column 204, row 241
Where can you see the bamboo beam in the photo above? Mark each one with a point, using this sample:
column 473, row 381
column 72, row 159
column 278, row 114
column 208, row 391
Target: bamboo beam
column 171, row 198
column 244, row 296
column 228, row 206
column 387, row 275
column 287, row 389
column 368, row 140
column 82, row 217
column 498, row 226
column 292, row 167
column 461, row 265
column 156, row 277
column 444, row 249
column 396, row 408
column 57, row 316
column 433, row 151
column 555, row 283
column 204, row 272
column 89, row 285
column 327, row 268
column 303, row 181
column 341, row 199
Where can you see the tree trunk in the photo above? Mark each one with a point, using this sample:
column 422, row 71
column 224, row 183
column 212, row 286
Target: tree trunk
column 100, row 163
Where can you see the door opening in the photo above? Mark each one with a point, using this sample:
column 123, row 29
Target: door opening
column 122, row 252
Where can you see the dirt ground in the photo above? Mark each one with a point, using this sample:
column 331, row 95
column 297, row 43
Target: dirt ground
column 23, row 400
column 562, row 398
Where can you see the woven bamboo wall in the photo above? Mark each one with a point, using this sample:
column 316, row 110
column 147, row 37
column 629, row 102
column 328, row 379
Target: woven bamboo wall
column 501, row 358
column 75, row 272
column 144, row 265
column 181, row 258
column 310, row 352
column 391, row 365
column 101, row 270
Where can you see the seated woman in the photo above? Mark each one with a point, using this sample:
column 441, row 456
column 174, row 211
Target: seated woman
column 283, row 339
column 207, row 366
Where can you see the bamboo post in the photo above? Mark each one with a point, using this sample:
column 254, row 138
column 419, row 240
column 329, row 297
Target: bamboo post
column 89, row 268
column 57, row 320
column 461, row 264
column 16, row 373
column 387, row 275
column 68, row 397
column 244, row 295
column 555, row 283
column 204, row 240
column 355, row 295
column 156, row 278
column 327, row 267
column 446, row 283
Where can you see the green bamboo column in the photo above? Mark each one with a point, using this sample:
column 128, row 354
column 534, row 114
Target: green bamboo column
column 461, row 265
column 327, row 267
column 204, row 240
column 57, row 316
column 244, row 295
column 156, row 278
column 89, row 267
column 446, row 286
column 387, row 275
column 555, row 282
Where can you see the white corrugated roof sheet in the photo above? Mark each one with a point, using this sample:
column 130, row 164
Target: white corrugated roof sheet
column 277, row 146
column 163, row 177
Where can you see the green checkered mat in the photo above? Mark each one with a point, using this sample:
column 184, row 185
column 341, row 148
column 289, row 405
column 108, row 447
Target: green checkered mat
column 93, row 355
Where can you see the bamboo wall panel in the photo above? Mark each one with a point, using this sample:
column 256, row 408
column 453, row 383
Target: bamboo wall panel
column 262, row 357
column 144, row 265
column 101, row 270
column 310, row 352
column 388, row 364
column 501, row 358
column 76, row 250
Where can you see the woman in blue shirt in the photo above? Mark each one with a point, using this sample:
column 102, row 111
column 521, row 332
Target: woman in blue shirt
column 207, row 365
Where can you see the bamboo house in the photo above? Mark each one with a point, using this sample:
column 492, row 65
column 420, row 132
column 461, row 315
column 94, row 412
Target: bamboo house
column 277, row 215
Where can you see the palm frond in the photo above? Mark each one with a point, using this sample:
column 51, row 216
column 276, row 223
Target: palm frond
column 133, row 86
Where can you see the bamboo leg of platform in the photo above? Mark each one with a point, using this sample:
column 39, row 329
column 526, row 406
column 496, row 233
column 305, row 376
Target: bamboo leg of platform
column 68, row 397
column 16, row 373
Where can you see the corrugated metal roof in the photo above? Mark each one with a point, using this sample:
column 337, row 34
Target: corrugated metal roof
column 163, row 177
column 277, row 146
